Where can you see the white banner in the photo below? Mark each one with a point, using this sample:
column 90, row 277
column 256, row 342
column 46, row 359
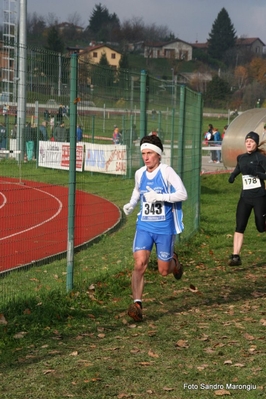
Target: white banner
column 53, row 154
column 104, row 158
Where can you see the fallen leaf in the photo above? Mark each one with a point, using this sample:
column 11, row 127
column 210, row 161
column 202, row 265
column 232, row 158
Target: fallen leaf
column 2, row 319
column 228, row 362
column 75, row 353
column 49, row 371
column 249, row 337
column 152, row 354
column 101, row 335
column 221, row 392
column 20, row 335
column 182, row 343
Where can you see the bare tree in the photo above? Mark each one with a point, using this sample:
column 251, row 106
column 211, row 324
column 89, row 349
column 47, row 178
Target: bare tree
column 51, row 20
column 75, row 19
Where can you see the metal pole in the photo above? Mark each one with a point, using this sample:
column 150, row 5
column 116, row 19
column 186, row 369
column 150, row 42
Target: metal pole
column 72, row 171
column 180, row 158
column 143, row 115
column 59, row 73
column 143, row 89
column 22, row 68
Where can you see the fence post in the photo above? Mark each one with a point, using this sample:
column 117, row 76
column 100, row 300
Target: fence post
column 72, row 171
column 143, row 116
column 182, row 109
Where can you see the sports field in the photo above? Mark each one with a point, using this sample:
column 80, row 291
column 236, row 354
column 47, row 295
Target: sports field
column 34, row 221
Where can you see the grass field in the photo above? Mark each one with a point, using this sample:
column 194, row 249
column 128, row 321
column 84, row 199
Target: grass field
column 201, row 337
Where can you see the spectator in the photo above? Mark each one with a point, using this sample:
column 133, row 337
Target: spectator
column 43, row 131
column 217, row 142
column 5, row 111
column 60, row 133
column 46, row 115
column 224, row 131
column 2, row 136
column 79, row 133
column 117, row 137
column 29, row 141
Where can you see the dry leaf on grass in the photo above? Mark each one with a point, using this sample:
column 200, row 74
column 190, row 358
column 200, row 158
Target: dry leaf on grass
column 145, row 363
column 182, row 343
column 101, row 335
column 228, row 362
column 49, row 371
column 20, row 335
column 194, row 289
column 2, row 319
column 249, row 337
column 221, row 392
column 152, row 354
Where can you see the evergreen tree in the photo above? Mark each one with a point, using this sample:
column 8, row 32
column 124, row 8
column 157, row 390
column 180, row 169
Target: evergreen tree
column 123, row 63
column 102, row 24
column 222, row 36
column 56, row 45
column 103, row 60
column 54, row 41
column 218, row 92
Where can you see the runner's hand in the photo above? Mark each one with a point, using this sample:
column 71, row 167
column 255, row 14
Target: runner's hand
column 152, row 196
column 128, row 209
column 231, row 179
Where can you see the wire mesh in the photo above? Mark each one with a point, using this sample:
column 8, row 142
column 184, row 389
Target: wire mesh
column 107, row 100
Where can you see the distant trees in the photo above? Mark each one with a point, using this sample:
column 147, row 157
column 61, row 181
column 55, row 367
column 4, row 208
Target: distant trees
column 54, row 41
column 218, row 92
column 239, row 75
column 102, row 24
column 222, row 36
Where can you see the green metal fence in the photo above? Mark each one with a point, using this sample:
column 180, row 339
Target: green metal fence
column 136, row 103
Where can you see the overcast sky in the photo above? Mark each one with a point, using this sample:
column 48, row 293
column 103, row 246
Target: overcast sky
column 189, row 20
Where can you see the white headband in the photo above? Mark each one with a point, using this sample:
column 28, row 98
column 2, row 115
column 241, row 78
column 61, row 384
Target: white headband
column 150, row 146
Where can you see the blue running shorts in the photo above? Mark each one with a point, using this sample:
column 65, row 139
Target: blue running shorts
column 164, row 243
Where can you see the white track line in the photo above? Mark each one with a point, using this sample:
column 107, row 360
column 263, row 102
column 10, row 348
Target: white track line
column 40, row 224
column 4, row 200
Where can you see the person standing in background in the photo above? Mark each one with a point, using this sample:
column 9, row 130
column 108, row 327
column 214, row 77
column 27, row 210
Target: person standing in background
column 79, row 133
column 217, row 142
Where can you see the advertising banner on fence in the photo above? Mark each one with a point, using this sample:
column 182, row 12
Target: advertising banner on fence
column 53, row 154
column 104, row 158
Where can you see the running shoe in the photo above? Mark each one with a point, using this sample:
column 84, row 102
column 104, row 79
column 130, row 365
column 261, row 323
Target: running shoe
column 234, row 260
column 178, row 272
column 135, row 311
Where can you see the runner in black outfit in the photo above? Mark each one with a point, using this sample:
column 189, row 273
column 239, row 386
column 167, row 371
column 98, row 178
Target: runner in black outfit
column 252, row 165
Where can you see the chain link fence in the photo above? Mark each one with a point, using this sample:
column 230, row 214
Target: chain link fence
column 109, row 105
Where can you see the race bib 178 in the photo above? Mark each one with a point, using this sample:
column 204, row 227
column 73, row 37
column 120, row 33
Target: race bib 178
column 250, row 182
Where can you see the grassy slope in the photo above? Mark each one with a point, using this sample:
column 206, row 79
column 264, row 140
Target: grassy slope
column 207, row 329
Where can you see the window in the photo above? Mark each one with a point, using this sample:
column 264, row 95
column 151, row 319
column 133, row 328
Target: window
column 94, row 54
column 113, row 56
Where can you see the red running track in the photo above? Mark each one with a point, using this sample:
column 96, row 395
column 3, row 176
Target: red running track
column 34, row 221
